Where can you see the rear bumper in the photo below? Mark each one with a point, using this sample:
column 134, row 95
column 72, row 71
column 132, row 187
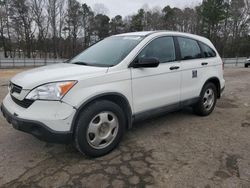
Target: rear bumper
column 37, row 129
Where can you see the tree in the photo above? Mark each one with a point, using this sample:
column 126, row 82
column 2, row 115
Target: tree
column 5, row 27
column 41, row 22
column 189, row 20
column 137, row 21
column 240, row 18
column 87, row 17
column 62, row 28
column 53, row 11
column 116, row 25
column 73, row 18
column 151, row 17
column 2, row 27
column 168, row 15
column 22, row 22
column 101, row 26
column 212, row 13
column 61, row 21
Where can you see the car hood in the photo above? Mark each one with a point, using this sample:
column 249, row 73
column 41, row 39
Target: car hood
column 57, row 72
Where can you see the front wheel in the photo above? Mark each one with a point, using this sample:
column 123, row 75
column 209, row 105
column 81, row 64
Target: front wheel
column 100, row 128
column 207, row 100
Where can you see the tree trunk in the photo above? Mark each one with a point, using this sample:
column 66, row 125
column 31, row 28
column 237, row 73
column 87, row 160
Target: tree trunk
column 3, row 39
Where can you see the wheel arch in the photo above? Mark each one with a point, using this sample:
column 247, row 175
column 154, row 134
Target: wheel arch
column 117, row 98
column 216, row 82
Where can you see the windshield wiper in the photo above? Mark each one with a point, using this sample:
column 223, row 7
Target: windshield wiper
column 81, row 63
column 91, row 64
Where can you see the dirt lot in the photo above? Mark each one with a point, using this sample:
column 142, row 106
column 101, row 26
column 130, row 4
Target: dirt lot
column 177, row 150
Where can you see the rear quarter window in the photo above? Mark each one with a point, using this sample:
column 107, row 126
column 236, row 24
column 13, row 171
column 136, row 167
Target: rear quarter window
column 207, row 51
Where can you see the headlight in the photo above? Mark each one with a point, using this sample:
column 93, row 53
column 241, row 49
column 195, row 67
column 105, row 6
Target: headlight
column 51, row 91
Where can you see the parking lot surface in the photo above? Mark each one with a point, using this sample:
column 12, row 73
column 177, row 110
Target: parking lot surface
column 177, row 150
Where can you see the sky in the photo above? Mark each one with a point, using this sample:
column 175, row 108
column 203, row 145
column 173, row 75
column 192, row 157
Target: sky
column 128, row 7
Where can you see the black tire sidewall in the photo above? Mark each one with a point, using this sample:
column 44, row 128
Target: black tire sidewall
column 199, row 107
column 83, row 123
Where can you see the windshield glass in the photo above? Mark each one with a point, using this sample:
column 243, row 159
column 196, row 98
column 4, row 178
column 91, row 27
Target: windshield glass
column 108, row 52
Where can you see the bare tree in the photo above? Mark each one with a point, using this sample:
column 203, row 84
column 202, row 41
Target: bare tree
column 41, row 21
column 87, row 17
column 53, row 11
column 240, row 18
column 62, row 14
column 65, row 27
column 22, row 21
column 5, row 27
column 74, row 21
column 2, row 27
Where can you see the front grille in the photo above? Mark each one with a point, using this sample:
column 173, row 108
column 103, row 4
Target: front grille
column 15, row 88
column 25, row 103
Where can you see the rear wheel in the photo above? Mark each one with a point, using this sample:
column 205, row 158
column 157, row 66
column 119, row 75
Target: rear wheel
column 99, row 128
column 207, row 100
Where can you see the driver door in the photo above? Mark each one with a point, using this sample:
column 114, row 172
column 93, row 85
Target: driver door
column 157, row 87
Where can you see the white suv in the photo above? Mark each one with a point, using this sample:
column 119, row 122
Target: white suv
column 93, row 98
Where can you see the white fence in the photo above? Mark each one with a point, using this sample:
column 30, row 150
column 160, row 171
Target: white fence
column 235, row 62
column 16, row 63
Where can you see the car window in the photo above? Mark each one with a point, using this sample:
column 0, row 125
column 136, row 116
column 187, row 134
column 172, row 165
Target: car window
column 189, row 48
column 207, row 51
column 161, row 48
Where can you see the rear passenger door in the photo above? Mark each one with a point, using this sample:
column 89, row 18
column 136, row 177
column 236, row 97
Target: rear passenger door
column 193, row 68
column 157, row 87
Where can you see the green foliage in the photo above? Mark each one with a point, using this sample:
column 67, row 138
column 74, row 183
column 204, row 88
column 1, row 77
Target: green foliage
column 102, row 26
column 137, row 21
column 116, row 25
column 212, row 13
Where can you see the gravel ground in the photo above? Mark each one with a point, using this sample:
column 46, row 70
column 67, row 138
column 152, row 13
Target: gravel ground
column 177, row 150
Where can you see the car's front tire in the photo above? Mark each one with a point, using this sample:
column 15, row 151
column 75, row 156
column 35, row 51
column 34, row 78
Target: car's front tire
column 99, row 128
column 207, row 100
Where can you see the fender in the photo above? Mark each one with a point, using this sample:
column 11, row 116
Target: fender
column 126, row 107
column 216, row 82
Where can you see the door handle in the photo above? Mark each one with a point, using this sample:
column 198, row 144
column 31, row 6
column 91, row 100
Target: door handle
column 174, row 68
column 204, row 64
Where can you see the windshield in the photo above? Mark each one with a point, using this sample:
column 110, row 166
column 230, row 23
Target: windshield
column 108, row 52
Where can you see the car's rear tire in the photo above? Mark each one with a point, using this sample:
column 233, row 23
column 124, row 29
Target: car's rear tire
column 207, row 100
column 99, row 128
column 246, row 65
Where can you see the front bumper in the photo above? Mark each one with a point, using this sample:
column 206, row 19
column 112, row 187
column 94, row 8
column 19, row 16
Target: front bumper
column 37, row 129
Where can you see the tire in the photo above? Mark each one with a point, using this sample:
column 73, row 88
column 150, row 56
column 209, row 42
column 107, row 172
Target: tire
column 207, row 100
column 99, row 128
column 246, row 65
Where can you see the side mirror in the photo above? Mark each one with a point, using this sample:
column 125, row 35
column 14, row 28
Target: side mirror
column 146, row 63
